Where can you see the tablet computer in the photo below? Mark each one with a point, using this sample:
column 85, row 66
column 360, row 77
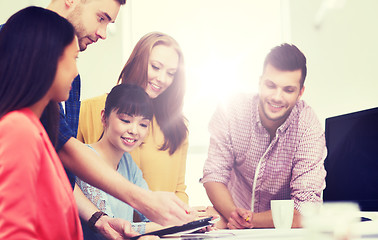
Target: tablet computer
column 191, row 226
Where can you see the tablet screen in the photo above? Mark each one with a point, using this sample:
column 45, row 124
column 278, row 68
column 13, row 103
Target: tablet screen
column 191, row 226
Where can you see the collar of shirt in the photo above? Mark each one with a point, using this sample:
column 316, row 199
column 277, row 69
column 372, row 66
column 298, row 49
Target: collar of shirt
column 281, row 129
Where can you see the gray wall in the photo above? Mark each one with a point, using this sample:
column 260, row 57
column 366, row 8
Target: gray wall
column 341, row 52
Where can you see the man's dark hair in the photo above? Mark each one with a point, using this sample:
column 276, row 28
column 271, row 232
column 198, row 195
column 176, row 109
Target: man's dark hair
column 287, row 57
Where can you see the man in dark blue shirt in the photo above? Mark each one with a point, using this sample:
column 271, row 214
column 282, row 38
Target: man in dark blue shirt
column 90, row 19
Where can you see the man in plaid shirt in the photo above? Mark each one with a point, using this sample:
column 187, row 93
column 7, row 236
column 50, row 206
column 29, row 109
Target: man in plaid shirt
column 266, row 147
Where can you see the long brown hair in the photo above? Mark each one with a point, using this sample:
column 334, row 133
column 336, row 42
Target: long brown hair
column 168, row 105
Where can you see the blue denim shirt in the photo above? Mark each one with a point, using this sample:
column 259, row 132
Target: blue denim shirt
column 69, row 121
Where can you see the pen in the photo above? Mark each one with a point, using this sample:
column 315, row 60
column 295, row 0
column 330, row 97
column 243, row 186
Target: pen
column 247, row 219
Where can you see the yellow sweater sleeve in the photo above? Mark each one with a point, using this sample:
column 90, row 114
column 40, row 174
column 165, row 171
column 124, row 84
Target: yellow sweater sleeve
column 162, row 172
column 181, row 186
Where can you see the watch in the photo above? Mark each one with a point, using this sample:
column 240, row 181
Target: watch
column 95, row 217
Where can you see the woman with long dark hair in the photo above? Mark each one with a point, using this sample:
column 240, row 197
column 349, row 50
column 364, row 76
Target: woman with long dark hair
column 38, row 51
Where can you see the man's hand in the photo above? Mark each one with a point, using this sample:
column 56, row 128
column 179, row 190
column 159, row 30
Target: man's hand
column 165, row 208
column 240, row 218
column 114, row 228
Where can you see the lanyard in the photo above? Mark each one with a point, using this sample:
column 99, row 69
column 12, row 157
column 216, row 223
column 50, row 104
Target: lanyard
column 258, row 171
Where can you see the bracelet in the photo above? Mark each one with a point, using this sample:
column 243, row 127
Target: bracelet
column 95, row 217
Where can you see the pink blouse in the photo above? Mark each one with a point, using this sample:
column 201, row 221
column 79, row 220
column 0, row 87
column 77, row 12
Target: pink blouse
column 36, row 199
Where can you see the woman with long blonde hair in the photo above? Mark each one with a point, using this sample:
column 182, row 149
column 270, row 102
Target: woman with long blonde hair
column 157, row 65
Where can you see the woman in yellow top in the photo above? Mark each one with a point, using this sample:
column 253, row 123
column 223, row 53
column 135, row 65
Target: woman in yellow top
column 156, row 64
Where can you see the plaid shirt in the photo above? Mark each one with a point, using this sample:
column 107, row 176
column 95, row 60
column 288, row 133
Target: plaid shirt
column 69, row 121
column 257, row 170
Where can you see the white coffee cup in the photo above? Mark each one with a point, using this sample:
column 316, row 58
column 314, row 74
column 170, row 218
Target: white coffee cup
column 282, row 213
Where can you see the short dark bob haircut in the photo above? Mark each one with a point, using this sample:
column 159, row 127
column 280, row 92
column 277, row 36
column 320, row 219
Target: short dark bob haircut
column 129, row 99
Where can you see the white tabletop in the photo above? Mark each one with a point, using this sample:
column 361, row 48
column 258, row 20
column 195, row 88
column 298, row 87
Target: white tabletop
column 364, row 230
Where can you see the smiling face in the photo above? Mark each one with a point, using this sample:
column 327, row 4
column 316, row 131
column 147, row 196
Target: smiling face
column 65, row 73
column 162, row 66
column 90, row 19
column 125, row 132
column 278, row 91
